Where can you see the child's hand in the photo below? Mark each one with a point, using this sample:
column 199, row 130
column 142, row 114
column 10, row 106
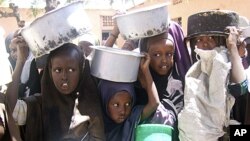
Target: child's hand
column 115, row 32
column 232, row 38
column 144, row 72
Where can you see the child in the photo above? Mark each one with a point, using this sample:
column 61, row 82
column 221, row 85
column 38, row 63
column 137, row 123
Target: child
column 8, row 129
column 209, row 81
column 68, row 107
column 30, row 80
column 121, row 115
column 168, row 81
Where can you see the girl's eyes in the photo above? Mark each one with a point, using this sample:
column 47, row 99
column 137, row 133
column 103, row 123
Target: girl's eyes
column 167, row 54
column 209, row 37
column 115, row 105
column 126, row 104
column 157, row 55
column 170, row 54
column 59, row 70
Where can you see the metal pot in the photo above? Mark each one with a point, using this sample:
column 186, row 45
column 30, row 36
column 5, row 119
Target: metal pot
column 56, row 27
column 145, row 22
column 211, row 22
column 115, row 64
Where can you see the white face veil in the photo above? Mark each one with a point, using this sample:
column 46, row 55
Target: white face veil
column 206, row 97
column 208, row 56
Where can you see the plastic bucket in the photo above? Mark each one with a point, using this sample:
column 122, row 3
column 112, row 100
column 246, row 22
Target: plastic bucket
column 153, row 132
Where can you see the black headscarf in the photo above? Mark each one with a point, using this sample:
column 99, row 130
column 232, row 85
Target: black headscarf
column 57, row 109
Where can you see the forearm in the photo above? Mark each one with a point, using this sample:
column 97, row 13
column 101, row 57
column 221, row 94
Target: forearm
column 2, row 132
column 12, row 90
column 238, row 73
column 112, row 37
column 153, row 98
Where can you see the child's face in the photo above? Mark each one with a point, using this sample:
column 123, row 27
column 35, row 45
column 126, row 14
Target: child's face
column 161, row 54
column 65, row 73
column 205, row 42
column 119, row 106
column 13, row 52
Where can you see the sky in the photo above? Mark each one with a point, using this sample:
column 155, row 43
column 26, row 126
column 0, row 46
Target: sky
column 97, row 4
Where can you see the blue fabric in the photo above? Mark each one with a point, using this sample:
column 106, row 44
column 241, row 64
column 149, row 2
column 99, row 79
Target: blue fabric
column 124, row 131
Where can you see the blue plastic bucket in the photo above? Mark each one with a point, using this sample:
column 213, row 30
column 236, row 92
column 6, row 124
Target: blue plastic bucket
column 153, row 132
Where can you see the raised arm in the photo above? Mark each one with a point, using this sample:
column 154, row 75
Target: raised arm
column 112, row 36
column 149, row 85
column 238, row 74
column 22, row 54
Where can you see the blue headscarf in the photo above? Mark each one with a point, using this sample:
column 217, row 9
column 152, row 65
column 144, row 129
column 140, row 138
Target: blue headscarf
column 123, row 131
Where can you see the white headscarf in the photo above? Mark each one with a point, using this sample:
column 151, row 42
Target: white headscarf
column 5, row 71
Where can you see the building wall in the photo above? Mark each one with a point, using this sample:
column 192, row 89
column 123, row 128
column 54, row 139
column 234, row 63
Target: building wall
column 95, row 17
column 189, row 7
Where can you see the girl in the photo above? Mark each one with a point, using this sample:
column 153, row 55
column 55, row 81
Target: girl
column 121, row 115
column 68, row 107
column 169, row 84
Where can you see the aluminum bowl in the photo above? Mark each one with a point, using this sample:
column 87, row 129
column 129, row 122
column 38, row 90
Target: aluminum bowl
column 115, row 64
column 144, row 22
column 56, row 27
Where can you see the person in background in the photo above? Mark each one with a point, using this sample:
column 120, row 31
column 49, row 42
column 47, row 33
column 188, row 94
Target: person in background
column 121, row 115
column 30, row 78
column 11, row 53
column 242, row 102
column 8, row 129
column 68, row 107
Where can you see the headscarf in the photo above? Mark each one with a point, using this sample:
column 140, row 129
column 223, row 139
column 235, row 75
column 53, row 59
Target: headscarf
column 149, row 40
column 7, row 44
column 125, row 130
column 57, row 108
column 8, row 40
column 181, row 57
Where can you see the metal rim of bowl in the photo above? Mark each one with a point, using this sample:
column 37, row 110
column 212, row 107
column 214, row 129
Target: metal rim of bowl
column 117, row 51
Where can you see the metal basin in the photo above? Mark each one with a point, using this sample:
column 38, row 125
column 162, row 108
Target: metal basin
column 115, row 64
column 56, row 27
column 212, row 22
column 144, row 22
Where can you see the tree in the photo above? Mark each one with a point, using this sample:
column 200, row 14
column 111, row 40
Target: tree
column 14, row 13
column 51, row 4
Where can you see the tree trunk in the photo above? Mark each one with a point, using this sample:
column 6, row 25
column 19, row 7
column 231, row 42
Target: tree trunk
column 51, row 4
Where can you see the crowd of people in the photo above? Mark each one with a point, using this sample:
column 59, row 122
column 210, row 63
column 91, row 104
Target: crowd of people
column 197, row 84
